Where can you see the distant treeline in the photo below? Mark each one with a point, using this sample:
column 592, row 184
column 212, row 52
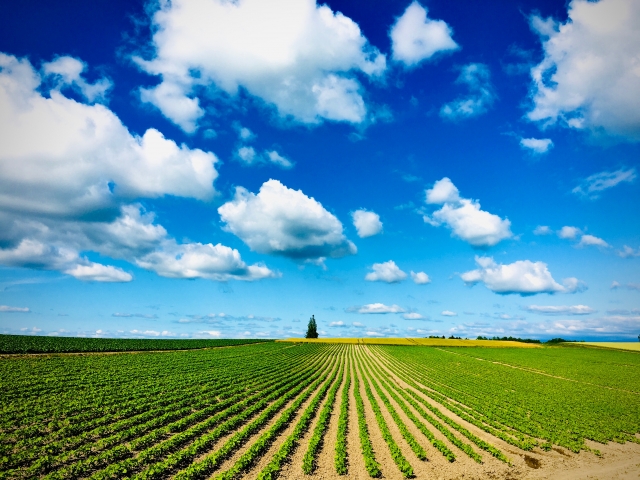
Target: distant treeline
column 526, row 340
column 36, row 344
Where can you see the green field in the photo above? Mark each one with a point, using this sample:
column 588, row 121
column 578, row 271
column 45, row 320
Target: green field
column 246, row 411
column 34, row 344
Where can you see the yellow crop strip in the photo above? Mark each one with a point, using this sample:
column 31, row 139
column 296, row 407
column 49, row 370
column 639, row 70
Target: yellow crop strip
column 428, row 342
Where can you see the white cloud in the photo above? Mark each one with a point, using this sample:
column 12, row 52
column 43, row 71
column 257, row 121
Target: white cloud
column 367, row 223
column 568, row 232
column 96, row 272
column 537, row 146
column 415, row 37
column 67, row 71
column 7, row 308
column 32, row 253
column 571, row 329
column 629, row 286
column 420, row 278
column 377, row 308
column 522, row 277
column 282, row 221
column 588, row 79
column 244, row 133
column 385, row 272
column 590, row 240
column 443, row 191
column 248, row 156
column 197, row 260
column 592, row 186
column 134, row 315
column 147, row 333
column 277, row 159
column 542, row 230
column 339, row 323
column 358, row 324
column 65, row 158
column 412, row 316
column 298, row 57
column 448, row 313
column 560, row 309
column 477, row 78
column 464, row 216
column 628, row 252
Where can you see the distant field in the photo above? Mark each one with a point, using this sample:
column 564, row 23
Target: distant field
column 318, row 410
column 619, row 345
column 430, row 342
column 34, row 344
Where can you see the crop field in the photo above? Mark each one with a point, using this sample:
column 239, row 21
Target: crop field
column 35, row 344
column 318, row 410
column 428, row 342
column 635, row 346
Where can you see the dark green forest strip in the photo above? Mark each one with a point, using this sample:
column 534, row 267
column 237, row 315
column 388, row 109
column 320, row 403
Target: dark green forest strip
column 35, row 344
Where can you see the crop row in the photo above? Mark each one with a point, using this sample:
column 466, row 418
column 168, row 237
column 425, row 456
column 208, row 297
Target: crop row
column 340, row 457
column 396, row 453
column 316, row 441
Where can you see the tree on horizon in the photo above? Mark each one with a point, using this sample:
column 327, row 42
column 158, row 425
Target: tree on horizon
column 312, row 328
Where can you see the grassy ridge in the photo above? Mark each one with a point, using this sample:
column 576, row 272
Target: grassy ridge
column 35, row 344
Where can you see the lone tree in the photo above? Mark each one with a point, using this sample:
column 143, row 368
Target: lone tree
column 312, row 328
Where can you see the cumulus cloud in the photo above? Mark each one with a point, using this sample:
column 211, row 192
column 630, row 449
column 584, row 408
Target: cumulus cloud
column 628, row 252
column 32, row 253
column 374, row 308
column 590, row 240
column 282, row 221
column 96, row 272
column 542, row 230
column 413, row 316
column 8, row 308
column 69, row 170
column 443, row 191
column 593, row 186
column 367, row 223
column 415, row 37
column 588, row 78
column 299, row 58
column 464, row 216
column 569, row 233
column 65, row 158
column 537, row 146
column 448, row 313
column 248, row 156
column 477, row 78
column 338, row 324
column 197, row 260
column 385, row 272
column 420, row 278
column 522, row 277
column 67, row 72
column 560, row 309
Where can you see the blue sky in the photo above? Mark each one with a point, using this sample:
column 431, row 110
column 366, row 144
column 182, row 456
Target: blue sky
column 218, row 169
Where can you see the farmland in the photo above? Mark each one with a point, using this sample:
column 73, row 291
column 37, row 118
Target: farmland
column 318, row 410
